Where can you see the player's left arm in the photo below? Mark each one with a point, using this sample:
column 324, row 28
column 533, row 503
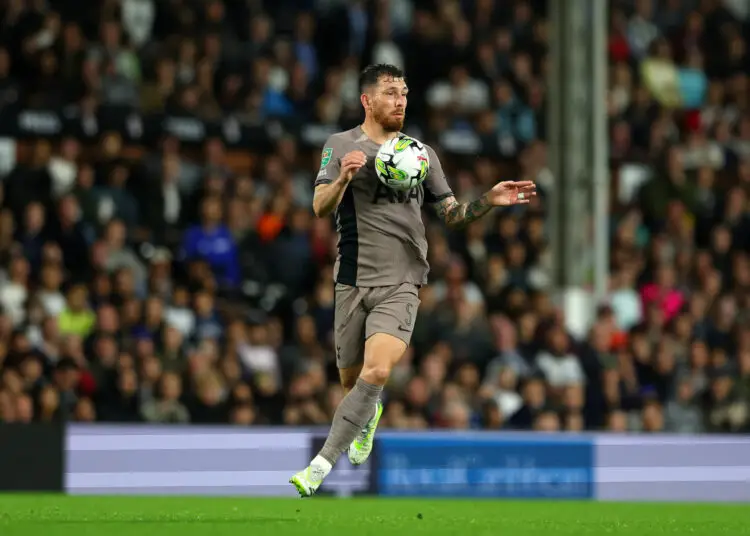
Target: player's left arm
column 456, row 214
column 459, row 215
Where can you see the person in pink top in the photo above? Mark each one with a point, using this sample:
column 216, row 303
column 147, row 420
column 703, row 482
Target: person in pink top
column 664, row 292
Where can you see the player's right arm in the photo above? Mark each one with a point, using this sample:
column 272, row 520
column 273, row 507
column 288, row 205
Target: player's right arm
column 336, row 172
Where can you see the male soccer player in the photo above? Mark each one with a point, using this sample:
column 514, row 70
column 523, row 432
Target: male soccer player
column 382, row 261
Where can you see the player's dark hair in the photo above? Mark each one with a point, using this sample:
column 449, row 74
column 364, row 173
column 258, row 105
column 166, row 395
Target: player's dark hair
column 372, row 73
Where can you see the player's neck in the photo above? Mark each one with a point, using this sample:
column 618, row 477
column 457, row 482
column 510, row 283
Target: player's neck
column 376, row 132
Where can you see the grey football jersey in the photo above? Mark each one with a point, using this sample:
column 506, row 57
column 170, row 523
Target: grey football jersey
column 381, row 235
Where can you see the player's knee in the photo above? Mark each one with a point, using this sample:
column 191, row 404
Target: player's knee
column 382, row 352
column 377, row 374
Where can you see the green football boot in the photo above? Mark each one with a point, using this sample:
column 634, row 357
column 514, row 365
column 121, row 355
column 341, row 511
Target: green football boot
column 361, row 447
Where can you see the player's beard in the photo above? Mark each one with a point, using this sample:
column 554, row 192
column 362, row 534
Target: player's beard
column 389, row 122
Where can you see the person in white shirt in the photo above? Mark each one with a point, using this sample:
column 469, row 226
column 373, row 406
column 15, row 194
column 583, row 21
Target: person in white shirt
column 462, row 93
column 138, row 19
column 49, row 295
column 63, row 167
column 560, row 366
column 14, row 292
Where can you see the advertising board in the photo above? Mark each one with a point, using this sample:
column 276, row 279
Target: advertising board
column 485, row 465
column 194, row 460
column 177, row 460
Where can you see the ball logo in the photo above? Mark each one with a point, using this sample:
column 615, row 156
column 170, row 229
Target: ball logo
column 397, row 174
column 390, row 171
column 381, row 167
column 402, row 144
column 424, row 166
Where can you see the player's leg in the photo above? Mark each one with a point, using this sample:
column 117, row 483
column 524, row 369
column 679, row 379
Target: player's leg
column 391, row 312
column 358, row 407
column 388, row 330
column 386, row 350
column 349, row 335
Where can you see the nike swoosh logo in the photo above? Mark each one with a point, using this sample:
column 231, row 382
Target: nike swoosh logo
column 402, row 328
column 347, row 419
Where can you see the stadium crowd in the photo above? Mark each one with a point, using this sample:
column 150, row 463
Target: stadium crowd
column 173, row 288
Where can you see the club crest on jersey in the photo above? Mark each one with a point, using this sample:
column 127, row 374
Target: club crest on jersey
column 326, row 157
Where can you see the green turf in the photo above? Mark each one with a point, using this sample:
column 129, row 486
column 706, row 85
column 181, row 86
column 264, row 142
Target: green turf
column 22, row 515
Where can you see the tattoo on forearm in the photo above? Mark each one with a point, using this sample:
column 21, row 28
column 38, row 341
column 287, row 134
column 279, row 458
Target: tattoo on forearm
column 457, row 214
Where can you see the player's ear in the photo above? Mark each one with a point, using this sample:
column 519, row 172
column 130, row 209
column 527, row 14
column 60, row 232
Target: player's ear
column 365, row 100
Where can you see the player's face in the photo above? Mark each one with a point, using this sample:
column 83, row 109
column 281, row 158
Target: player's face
column 389, row 103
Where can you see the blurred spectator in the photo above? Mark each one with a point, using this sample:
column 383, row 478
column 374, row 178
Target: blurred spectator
column 179, row 276
column 211, row 241
column 77, row 318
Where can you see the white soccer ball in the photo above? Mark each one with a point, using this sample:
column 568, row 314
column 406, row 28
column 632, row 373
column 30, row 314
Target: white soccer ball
column 402, row 163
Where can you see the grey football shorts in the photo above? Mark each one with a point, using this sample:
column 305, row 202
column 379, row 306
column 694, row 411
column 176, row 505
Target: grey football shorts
column 361, row 312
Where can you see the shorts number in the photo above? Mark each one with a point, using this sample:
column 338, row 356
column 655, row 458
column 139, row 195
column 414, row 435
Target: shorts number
column 409, row 314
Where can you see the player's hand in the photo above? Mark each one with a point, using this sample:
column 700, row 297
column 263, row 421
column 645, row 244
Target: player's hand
column 508, row 193
column 351, row 164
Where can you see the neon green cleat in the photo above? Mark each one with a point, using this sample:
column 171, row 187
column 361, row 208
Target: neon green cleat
column 308, row 481
column 361, row 447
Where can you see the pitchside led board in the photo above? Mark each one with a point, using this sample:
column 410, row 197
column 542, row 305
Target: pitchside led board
column 256, row 461
column 486, row 465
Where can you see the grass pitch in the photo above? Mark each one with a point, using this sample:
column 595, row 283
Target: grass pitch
column 30, row 515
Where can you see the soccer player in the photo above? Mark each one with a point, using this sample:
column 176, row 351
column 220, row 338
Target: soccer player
column 382, row 261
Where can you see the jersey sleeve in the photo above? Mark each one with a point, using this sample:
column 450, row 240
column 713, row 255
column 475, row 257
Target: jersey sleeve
column 436, row 186
column 330, row 161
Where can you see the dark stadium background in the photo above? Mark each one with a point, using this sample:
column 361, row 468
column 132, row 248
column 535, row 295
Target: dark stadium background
column 126, row 125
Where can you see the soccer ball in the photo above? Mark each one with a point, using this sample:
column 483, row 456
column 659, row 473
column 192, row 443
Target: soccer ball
column 402, row 163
